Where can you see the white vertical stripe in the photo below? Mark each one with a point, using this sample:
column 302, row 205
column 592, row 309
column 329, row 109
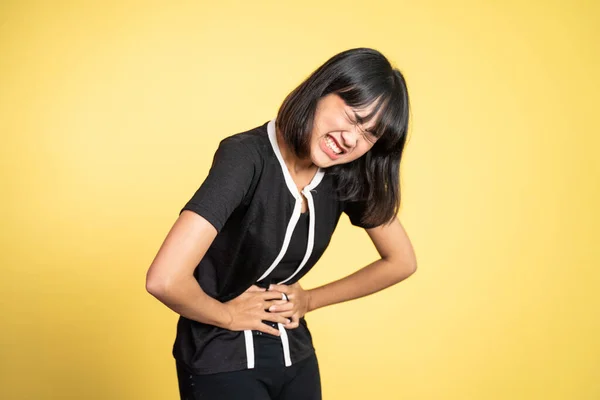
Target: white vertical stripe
column 286, row 174
column 311, row 234
column 249, row 348
column 286, row 345
column 286, row 240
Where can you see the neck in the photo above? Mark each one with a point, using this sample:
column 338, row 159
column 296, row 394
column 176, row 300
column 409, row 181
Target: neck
column 294, row 163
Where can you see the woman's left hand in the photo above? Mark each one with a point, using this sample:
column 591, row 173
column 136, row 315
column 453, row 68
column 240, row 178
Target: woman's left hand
column 296, row 306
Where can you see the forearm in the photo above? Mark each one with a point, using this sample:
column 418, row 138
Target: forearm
column 370, row 279
column 186, row 297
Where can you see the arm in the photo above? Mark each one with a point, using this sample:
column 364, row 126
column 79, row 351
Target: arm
column 397, row 263
column 170, row 277
column 171, row 280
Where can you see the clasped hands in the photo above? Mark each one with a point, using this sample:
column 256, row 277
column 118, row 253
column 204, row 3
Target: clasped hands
column 248, row 310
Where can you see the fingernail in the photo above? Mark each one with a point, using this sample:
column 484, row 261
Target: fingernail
column 270, row 287
column 272, row 308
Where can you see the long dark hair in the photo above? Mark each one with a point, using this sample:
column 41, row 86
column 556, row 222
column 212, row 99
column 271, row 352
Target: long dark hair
column 361, row 77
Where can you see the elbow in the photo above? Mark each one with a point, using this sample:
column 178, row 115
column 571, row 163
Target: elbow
column 405, row 270
column 154, row 287
column 412, row 268
column 157, row 286
column 409, row 264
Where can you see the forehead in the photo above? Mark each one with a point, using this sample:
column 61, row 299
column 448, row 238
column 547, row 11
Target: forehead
column 363, row 113
column 354, row 112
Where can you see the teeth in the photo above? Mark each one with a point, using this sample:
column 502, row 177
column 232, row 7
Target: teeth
column 331, row 144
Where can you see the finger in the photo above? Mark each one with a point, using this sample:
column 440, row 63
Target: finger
column 274, row 317
column 271, row 295
column 295, row 322
column 287, row 314
column 286, row 306
column 280, row 288
column 270, row 303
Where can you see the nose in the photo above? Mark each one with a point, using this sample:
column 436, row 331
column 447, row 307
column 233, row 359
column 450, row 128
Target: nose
column 350, row 139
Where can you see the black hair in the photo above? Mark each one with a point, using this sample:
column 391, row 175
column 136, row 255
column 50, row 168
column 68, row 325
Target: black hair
column 361, row 77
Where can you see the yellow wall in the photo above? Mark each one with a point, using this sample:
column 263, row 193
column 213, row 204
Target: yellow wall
column 110, row 112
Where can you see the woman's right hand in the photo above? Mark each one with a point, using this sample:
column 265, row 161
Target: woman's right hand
column 249, row 309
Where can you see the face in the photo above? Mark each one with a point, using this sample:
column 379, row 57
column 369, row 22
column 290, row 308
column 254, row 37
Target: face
column 337, row 138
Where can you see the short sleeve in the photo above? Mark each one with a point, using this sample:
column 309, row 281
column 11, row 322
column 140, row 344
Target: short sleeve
column 355, row 211
column 227, row 185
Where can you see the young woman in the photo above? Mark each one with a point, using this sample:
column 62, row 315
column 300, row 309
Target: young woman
column 265, row 214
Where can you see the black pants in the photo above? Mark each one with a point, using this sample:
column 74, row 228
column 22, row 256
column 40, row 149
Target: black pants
column 270, row 379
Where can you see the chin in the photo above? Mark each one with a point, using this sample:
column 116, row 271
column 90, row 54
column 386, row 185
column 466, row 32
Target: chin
column 322, row 161
column 321, row 164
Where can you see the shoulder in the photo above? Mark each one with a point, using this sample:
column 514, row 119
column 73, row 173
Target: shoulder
column 250, row 146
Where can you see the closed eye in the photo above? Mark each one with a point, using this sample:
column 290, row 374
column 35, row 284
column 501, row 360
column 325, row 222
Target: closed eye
column 368, row 135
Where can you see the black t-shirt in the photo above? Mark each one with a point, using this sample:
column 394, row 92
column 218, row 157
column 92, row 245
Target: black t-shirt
column 293, row 256
column 252, row 201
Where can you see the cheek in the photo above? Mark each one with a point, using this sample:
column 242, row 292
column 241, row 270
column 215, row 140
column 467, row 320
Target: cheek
column 361, row 150
column 328, row 123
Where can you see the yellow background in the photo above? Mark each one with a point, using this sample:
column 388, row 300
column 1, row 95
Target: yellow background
column 110, row 112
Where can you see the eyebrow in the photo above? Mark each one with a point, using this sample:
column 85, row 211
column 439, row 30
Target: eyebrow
column 357, row 120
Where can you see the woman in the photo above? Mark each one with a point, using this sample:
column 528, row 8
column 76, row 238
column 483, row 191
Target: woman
column 265, row 214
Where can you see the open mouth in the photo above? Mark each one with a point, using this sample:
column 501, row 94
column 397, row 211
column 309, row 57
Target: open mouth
column 333, row 145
